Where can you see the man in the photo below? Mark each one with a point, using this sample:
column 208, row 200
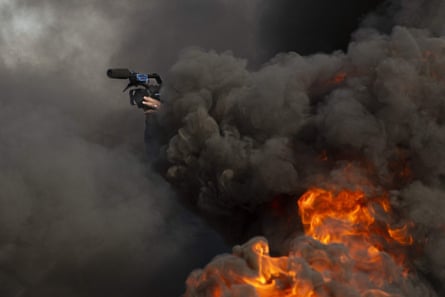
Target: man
column 152, row 145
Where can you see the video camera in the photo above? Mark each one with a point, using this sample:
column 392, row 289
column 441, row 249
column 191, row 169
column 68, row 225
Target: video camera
column 151, row 83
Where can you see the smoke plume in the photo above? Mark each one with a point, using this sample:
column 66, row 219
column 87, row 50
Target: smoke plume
column 239, row 138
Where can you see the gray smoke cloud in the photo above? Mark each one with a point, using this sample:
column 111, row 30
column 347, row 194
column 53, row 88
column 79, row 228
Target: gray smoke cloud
column 166, row 27
column 240, row 137
column 80, row 212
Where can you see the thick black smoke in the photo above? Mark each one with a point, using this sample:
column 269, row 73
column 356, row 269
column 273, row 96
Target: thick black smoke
column 310, row 26
column 241, row 138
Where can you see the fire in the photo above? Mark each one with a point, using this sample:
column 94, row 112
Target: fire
column 345, row 211
column 335, row 218
column 348, row 218
column 324, row 156
column 338, row 78
column 350, row 248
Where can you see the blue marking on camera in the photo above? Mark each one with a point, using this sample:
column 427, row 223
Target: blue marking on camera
column 142, row 77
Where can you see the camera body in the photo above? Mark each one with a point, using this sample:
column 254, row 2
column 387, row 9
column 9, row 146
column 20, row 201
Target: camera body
column 137, row 96
column 146, row 84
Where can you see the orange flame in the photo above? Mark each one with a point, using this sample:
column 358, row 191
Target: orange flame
column 344, row 244
column 332, row 218
column 348, row 217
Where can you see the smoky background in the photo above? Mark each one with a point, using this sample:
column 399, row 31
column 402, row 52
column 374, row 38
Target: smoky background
column 81, row 213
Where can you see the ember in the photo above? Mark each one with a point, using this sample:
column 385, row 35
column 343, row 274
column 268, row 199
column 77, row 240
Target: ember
column 338, row 78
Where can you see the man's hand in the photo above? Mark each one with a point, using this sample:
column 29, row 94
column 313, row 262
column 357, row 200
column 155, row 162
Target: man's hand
column 153, row 105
